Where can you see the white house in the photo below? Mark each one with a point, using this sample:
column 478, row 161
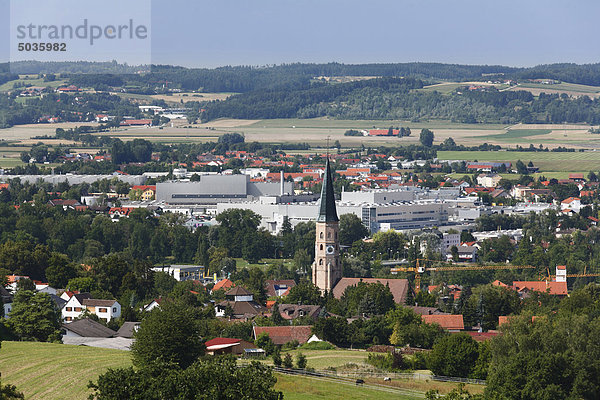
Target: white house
column 106, row 309
column 572, row 203
column 183, row 272
column 561, row 273
column 74, row 307
column 488, row 180
column 153, row 304
column 82, row 302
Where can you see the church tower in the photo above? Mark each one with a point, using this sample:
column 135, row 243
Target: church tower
column 327, row 269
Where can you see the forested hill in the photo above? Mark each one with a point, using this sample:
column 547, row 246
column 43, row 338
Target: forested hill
column 396, row 98
column 247, row 78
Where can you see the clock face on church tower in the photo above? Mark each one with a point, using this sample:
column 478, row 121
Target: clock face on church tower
column 330, row 249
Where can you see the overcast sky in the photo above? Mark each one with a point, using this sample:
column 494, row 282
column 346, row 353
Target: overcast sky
column 258, row 32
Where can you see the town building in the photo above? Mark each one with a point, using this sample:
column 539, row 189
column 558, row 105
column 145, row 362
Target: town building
column 182, row 272
column 213, row 189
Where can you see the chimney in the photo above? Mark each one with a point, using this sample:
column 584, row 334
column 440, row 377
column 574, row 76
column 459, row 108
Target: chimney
column 281, row 183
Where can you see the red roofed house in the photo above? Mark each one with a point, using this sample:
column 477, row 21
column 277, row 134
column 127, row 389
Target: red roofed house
column 398, row 287
column 281, row 335
column 383, row 132
column 279, row 287
column 223, row 284
column 452, row 323
column 227, row 346
column 119, row 212
column 571, row 203
column 148, row 191
column 553, row 288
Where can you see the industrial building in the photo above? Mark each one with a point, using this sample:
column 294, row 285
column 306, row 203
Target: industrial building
column 212, row 189
column 378, row 210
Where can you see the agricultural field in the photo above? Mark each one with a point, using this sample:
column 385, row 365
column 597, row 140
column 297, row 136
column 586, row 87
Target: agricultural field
column 546, row 161
column 30, row 80
column 175, row 98
column 315, row 132
column 571, row 89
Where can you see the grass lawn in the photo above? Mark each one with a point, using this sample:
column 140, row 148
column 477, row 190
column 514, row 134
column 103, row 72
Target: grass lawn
column 322, row 359
column 56, row 371
column 301, row 388
column 32, row 82
column 513, row 134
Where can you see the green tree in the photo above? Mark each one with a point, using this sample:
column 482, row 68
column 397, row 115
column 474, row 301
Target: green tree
column 60, row 270
column 288, row 362
column 263, row 341
column 426, row 137
column 351, row 229
column 168, row 335
column 34, row 317
column 454, row 355
column 300, row 361
column 304, row 292
column 209, row 378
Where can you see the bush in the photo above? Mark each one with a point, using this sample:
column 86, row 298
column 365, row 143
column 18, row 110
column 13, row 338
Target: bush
column 264, row 342
column 300, row 361
column 277, row 358
column 388, row 362
column 291, row 345
column 318, row 346
column 287, row 361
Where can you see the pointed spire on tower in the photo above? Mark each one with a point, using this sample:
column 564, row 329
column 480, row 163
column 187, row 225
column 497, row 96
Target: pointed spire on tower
column 327, row 210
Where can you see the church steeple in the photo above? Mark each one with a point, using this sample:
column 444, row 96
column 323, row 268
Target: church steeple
column 327, row 268
column 327, row 210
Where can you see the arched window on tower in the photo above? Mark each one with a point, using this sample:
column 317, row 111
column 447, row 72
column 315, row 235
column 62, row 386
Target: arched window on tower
column 321, row 261
column 328, row 235
column 321, row 248
column 321, row 235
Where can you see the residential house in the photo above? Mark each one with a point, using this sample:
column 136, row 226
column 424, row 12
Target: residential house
column 294, row 311
column 227, row 346
column 7, row 300
column 571, row 203
column 182, row 272
column 153, row 304
column 128, row 329
column 74, row 306
column 489, row 180
column 281, row 335
column 278, row 288
column 80, row 303
column 398, row 287
column 105, row 309
column 241, row 303
column 223, row 284
column 452, row 323
column 86, row 327
column 148, row 192
column 524, row 288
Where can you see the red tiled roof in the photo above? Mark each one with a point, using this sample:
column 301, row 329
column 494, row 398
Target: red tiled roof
column 223, row 284
column 221, row 341
column 284, row 334
column 144, row 187
column 450, row 322
column 398, row 287
column 554, row 288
